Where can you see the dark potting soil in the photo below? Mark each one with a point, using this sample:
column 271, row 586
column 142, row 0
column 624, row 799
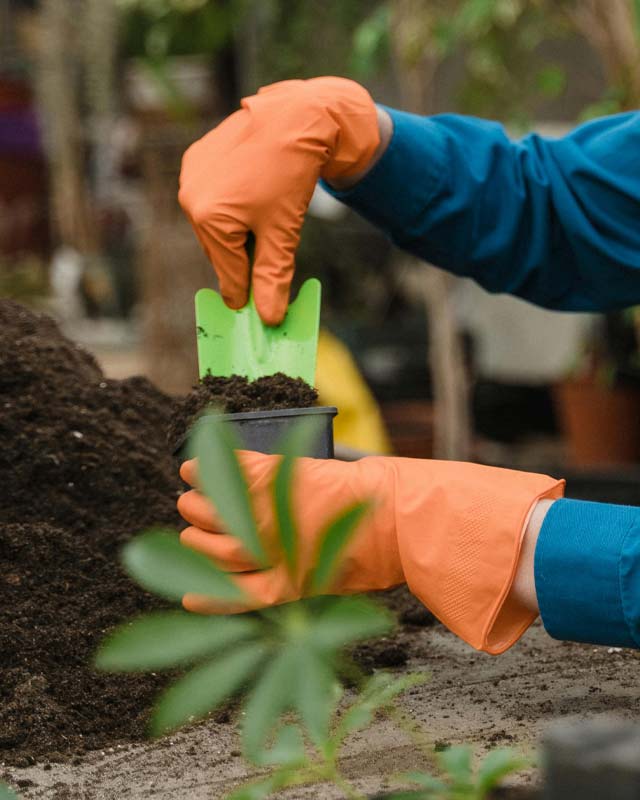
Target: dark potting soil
column 235, row 394
column 83, row 467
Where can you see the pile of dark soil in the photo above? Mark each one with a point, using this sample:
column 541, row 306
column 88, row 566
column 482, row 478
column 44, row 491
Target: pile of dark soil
column 235, row 394
column 83, row 467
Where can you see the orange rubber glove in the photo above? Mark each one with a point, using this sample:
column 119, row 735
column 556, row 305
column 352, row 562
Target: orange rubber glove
column 451, row 531
column 257, row 171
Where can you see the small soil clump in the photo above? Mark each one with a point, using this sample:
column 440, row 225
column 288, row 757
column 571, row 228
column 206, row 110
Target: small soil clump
column 83, row 467
column 235, row 394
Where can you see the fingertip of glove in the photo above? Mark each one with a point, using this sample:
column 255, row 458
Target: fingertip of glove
column 271, row 303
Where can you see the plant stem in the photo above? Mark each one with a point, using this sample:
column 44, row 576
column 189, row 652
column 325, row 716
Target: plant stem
column 412, row 729
column 349, row 790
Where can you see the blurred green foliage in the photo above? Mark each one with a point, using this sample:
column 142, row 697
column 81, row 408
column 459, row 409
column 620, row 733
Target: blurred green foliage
column 24, row 279
column 459, row 780
column 505, row 48
column 159, row 28
column 504, row 74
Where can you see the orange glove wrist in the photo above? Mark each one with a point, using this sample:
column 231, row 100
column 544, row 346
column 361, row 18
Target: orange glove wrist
column 452, row 531
column 257, row 171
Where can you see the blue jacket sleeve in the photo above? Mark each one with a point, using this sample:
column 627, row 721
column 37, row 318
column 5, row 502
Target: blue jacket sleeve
column 554, row 221
column 587, row 573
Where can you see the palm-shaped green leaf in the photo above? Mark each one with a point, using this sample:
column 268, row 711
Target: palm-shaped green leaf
column 332, row 542
column 221, row 478
column 205, row 687
column 160, row 564
column 170, row 639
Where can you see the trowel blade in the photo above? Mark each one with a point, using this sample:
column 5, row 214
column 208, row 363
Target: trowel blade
column 239, row 343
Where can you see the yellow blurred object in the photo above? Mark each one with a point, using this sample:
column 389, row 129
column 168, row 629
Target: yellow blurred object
column 359, row 424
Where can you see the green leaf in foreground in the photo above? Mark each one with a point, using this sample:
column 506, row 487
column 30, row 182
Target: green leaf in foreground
column 205, row 687
column 296, row 443
column 379, row 692
column 169, row 639
column 6, row 793
column 350, row 619
column 332, row 543
column 160, row 564
column 496, row 766
column 456, row 762
column 270, row 697
column 288, row 749
column 261, row 789
column 221, row 478
column 315, row 698
column 430, row 788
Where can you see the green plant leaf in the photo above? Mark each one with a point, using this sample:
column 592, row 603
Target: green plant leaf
column 170, row 639
column 205, row 687
column 288, row 749
column 221, row 479
column 425, row 781
column 6, row 793
column 551, row 80
column 496, row 766
column 350, row 619
column 332, row 543
column 456, row 762
column 430, row 787
column 379, row 691
column 270, row 697
column 371, row 41
column 160, row 564
column 262, row 788
column 295, row 444
column 315, row 698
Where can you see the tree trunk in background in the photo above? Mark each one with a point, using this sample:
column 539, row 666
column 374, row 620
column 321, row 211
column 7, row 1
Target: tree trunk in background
column 99, row 53
column 57, row 82
column 613, row 29
column 415, row 64
column 172, row 267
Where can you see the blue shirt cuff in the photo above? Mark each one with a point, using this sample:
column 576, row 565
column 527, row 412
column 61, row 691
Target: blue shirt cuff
column 587, row 573
column 383, row 196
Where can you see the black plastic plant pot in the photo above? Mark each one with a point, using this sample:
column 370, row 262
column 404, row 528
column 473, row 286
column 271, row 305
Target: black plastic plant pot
column 262, row 430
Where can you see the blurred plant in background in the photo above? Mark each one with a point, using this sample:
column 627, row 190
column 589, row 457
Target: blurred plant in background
column 161, row 28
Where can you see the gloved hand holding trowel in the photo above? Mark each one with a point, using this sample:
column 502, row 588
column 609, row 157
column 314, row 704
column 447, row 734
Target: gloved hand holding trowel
column 553, row 221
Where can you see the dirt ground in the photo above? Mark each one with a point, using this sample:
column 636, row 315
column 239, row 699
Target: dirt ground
column 471, row 697
column 84, row 466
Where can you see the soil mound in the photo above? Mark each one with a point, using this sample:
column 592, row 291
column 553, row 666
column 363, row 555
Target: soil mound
column 235, row 394
column 83, row 467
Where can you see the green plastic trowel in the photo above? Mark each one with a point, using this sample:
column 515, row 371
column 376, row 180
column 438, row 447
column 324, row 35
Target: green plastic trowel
column 239, row 343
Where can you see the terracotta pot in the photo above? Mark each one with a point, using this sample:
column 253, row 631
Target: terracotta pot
column 601, row 424
column 409, row 424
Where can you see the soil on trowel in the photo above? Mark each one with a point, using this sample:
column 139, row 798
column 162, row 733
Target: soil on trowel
column 83, row 467
column 235, row 394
